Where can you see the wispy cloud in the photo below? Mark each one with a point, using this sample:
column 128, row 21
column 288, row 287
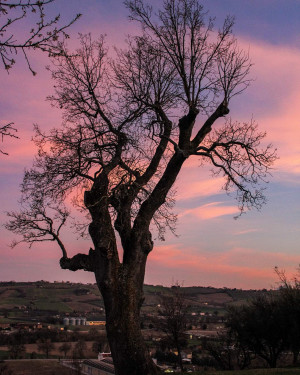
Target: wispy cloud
column 243, row 267
column 211, row 211
column 189, row 188
column 247, row 231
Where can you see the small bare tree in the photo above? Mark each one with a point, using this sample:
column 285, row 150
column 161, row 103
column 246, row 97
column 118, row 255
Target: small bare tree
column 45, row 346
column 65, row 348
column 16, row 350
column 173, row 319
column 129, row 126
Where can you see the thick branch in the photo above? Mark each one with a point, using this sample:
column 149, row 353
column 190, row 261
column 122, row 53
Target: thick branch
column 124, row 200
column 40, row 222
column 221, row 111
column 79, row 262
column 159, row 193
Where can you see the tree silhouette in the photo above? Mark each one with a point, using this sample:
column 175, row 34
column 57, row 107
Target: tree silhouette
column 173, row 319
column 261, row 326
column 16, row 350
column 289, row 297
column 130, row 123
column 65, row 348
column 46, row 346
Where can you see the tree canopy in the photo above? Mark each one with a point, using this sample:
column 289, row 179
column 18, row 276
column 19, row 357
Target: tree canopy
column 131, row 120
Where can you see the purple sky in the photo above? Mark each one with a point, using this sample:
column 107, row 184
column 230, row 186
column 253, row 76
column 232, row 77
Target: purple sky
column 211, row 248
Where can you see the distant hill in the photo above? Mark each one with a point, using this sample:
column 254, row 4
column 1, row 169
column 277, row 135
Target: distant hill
column 21, row 299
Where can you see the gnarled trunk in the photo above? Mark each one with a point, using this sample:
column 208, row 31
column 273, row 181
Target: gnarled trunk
column 127, row 345
column 123, row 298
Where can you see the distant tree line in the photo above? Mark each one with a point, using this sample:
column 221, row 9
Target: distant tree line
column 45, row 340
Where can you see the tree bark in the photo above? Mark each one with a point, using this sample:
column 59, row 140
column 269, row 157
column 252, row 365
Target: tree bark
column 179, row 357
column 123, row 298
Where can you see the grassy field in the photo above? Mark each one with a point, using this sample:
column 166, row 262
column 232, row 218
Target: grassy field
column 278, row 371
column 37, row 367
column 54, row 367
column 55, row 353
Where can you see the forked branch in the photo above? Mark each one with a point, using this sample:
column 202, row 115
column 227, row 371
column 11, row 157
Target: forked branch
column 7, row 131
column 41, row 222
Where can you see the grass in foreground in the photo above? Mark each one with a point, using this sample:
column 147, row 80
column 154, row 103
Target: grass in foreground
column 277, row 371
column 53, row 367
column 37, row 367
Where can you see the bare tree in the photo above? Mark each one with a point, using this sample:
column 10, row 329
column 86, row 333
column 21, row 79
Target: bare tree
column 65, row 348
column 79, row 349
column 46, row 346
column 129, row 126
column 16, row 350
column 173, row 319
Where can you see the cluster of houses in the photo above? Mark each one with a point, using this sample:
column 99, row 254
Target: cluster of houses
column 22, row 326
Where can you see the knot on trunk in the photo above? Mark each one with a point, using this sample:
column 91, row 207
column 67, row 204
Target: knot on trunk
column 223, row 108
column 188, row 120
column 79, row 262
column 147, row 243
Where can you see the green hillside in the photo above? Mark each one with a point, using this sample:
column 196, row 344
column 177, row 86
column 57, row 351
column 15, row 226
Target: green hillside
column 19, row 300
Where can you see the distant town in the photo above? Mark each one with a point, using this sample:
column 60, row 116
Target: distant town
column 66, row 321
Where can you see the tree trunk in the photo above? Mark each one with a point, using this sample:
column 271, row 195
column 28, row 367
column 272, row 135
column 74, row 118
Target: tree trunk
column 122, row 306
column 179, row 357
column 272, row 361
column 127, row 345
column 123, row 297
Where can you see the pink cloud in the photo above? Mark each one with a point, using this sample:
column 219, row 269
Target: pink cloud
column 190, row 187
column 277, row 80
column 211, row 211
column 242, row 267
column 247, row 231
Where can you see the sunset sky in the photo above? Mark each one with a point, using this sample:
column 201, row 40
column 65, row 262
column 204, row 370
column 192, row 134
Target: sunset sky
column 211, row 248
